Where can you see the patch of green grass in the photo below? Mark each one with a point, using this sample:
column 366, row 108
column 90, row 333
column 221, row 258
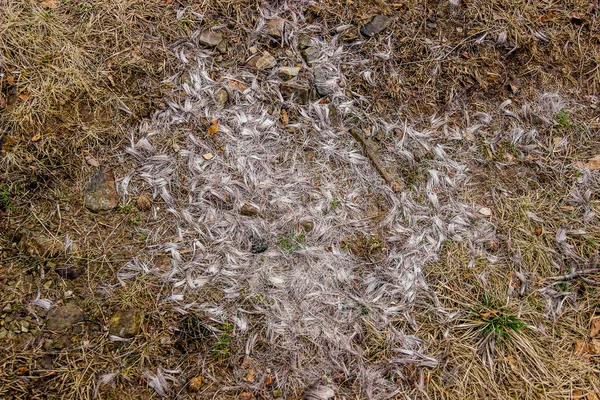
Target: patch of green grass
column 292, row 241
column 125, row 208
column 6, row 202
column 143, row 236
column 562, row 119
column 221, row 347
column 501, row 325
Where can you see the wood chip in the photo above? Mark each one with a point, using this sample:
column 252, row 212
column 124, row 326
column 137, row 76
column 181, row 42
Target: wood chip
column 485, row 211
column 207, row 156
column 213, row 128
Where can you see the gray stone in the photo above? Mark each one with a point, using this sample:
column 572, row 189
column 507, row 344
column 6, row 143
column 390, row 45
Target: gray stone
column 221, row 96
column 210, row 38
column 304, row 42
column 290, row 92
column 222, row 46
column 258, row 245
column 266, row 61
column 101, row 195
column 288, row 73
column 40, row 245
column 310, row 54
column 126, row 323
column 325, row 81
column 377, row 25
column 64, row 317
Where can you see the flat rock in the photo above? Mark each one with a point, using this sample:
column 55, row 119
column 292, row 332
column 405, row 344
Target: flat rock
column 221, row 96
column 310, row 54
column 288, row 73
column 101, row 195
column 126, row 323
column 274, row 27
column 64, row 317
column 266, row 61
column 378, row 24
column 292, row 92
column 210, row 38
column 40, row 245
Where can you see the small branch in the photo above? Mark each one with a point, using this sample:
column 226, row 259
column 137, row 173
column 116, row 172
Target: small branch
column 573, row 275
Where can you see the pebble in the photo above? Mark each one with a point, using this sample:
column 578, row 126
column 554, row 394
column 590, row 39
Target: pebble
column 126, row 323
column 310, row 54
column 288, row 73
column 290, row 91
column 221, row 96
column 266, row 61
column 210, row 38
column 274, row 27
column 377, row 25
column 485, row 211
column 258, row 245
column 64, row 317
column 101, row 195
column 323, row 78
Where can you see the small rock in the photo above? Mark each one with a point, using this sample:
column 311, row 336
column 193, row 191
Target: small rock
column 39, row 245
column 207, row 156
column 248, row 210
column 210, row 38
column 126, row 323
column 288, row 73
column 377, row 24
column 485, row 211
column 310, row 54
column 307, row 226
column 303, row 42
column 325, row 81
column 289, row 91
column 221, row 96
column 101, row 195
column 222, row 46
column 274, row 27
column 253, row 50
column 266, row 61
column 64, row 317
column 258, row 245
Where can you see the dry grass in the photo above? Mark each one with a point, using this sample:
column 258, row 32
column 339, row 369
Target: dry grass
column 76, row 77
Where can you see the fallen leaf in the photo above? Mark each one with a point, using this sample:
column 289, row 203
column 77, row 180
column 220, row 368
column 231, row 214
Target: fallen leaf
column 594, row 347
column 24, row 96
column 485, row 211
column 10, row 79
column 213, row 128
column 49, row 3
column 489, row 314
column 538, row 232
column 247, row 396
column 92, row 161
column 269, row 379
column 249, row 376
column 577, row 17
column 591, row 164
column 592, row 396
column 284, row 116
column 22, row 370
column 580, row 347
column 207, row 156
column 577, row 394
column 237, row 85
column 36, row 137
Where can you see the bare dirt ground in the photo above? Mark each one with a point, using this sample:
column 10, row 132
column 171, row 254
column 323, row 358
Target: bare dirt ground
column 412, row 213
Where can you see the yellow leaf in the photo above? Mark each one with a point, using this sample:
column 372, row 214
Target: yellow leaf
column 36, row 137
column 213, row 128
column 24, row 96
column 284, row 117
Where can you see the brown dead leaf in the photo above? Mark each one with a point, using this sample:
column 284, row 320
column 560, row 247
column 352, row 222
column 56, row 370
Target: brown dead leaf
column 92, row 161
column 592, row 396
column 237, row 85
column 10, row 79
column 591, row 164
column 249, row 376
column 538, row 232
column 269, row 379
column 577, row 17
column 247, row 396
column 24, row 96
column 49, row 3
column 594, row 347
column 284, row 116
column 36, row 137
column 213, row 128
column 489, row 314
column 595, row 327
column 580, row 347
